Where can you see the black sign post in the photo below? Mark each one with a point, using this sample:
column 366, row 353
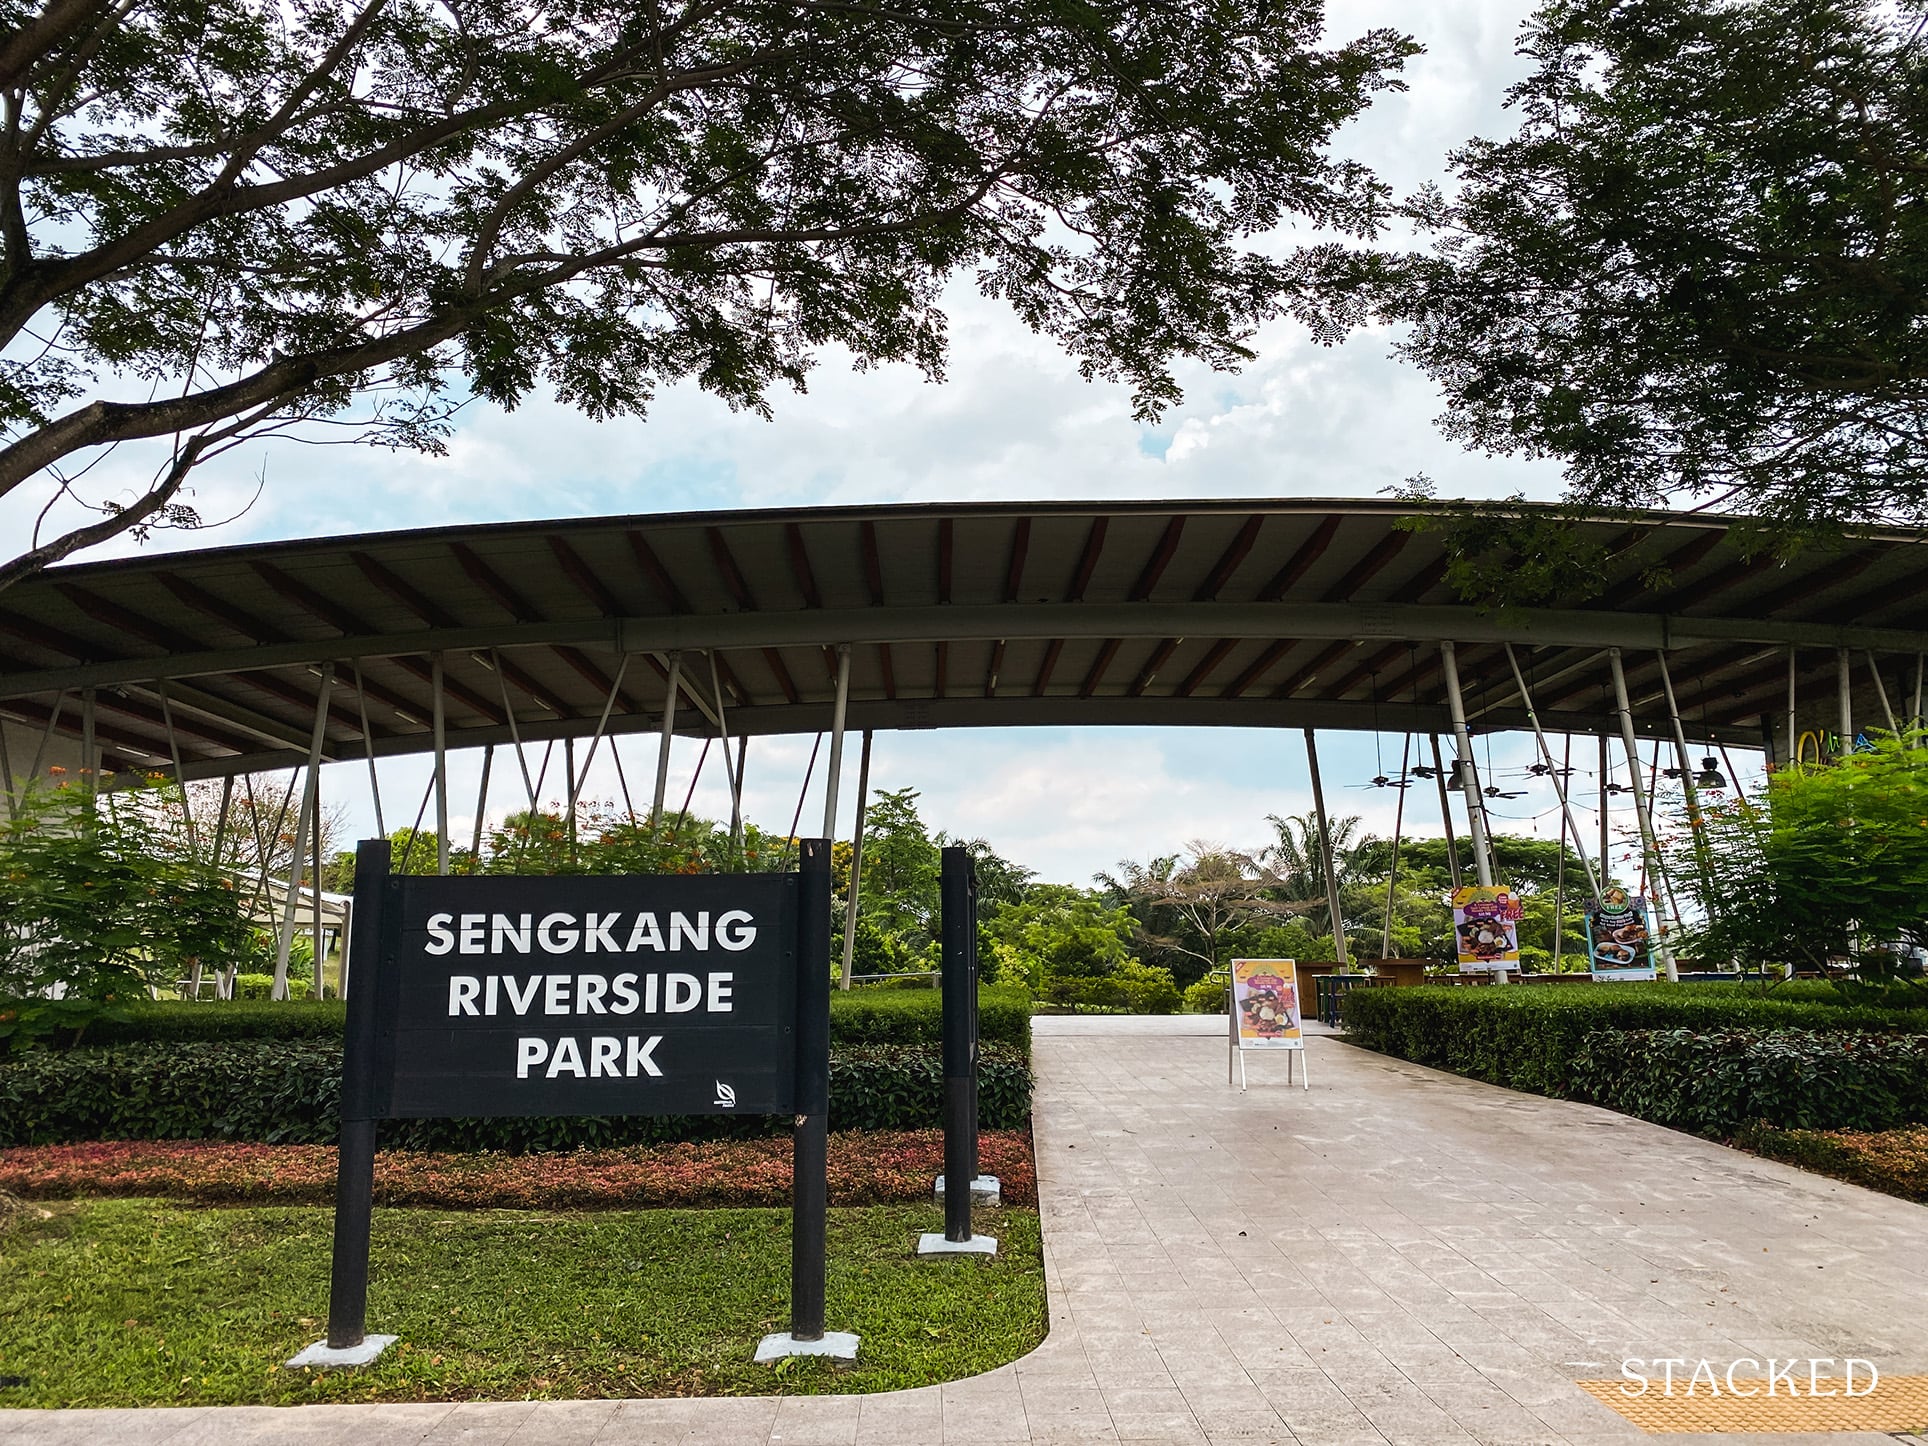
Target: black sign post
column 636, row 995
column 355, row 1158
column 961, row 1184
column 810, row 1137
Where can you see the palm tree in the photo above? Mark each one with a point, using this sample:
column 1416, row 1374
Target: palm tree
column 1297, row 862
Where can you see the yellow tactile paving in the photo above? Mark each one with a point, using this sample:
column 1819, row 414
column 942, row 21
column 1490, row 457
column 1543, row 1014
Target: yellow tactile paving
column 1897, row 1403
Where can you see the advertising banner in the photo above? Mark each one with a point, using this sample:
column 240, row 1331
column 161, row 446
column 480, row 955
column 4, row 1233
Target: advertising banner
column 1619, row 943
column 1265, row 1004
column 1486, row 927
column 590, row 996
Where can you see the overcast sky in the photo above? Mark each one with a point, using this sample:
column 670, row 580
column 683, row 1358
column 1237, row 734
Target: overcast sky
column 1013, row 421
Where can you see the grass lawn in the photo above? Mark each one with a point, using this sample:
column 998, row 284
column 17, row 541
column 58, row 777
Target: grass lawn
column 142, row 1303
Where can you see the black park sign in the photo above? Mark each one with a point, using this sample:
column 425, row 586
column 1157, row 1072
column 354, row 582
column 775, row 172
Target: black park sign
column 591, row 996
column 631, row 995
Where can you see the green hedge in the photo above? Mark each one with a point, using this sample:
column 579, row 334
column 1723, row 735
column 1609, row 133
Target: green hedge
column 287, row 1091
column 1795, row 1079
column 860, row 1016
column 1526, row 1036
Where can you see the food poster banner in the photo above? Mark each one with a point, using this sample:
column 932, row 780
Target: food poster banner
column 1486, row 924
column 1265, row 1004
column 1619, row 943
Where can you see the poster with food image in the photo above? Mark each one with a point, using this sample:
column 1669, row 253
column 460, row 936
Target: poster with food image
column 1265, row 1004
column 1619, row 943
column 1486, row 926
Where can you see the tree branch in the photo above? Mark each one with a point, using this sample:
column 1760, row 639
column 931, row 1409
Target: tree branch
column 29, row 563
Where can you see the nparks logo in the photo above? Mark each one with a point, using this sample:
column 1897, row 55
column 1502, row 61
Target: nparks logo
column 725, row 1096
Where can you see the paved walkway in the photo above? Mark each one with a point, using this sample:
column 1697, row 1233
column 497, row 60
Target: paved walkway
column 1395, row 1255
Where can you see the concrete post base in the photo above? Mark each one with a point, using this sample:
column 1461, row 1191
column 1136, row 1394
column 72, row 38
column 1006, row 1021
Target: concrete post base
column 838, row 1345
column 985, row 1190
column 324, row 1357
column 934, row 1243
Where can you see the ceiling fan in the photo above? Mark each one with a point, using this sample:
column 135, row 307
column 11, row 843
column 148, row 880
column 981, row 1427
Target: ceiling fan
column 1380, row 780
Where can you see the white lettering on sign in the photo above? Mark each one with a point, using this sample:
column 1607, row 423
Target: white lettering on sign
column 558, row 933
column 685, row 992
column 479, row 996
column 610, row 1057
column 502, row 930
column 596, row 929
column 645, row 935
column 734, row 930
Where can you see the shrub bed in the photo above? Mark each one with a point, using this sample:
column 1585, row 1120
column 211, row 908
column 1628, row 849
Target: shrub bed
column 1715, row 1082
column 858, row 1016
column 871, row 1168
column 287, row 1091
column 1132, row 988
column 1894, row 1162
column 1527, row 1036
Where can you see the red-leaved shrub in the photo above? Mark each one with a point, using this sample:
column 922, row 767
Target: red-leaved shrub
column 866, row 1168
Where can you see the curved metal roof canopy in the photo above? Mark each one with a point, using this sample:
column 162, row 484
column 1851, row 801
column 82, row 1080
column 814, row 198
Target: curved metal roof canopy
column 1301, row 613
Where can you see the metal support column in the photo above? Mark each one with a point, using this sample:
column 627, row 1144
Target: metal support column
column 835, row 775
column 6, row 772
column 441, row 765
column 731, row 775
column 1325, row 853
column 738, row 823
column 174, row 753
column 663, row 744
column 1606, row 830
column 1650, row 848
column 89, row 752
column 595, row 740
column 1398, row 829
column 221, row 819
column 481, row 809
column 515, row 733
column 310, row 792
column 1690, row 790
column 1793, row 724
column 1567, row 821
column 1445, row 812
column 856, row 864
column 1881, row 692
column 1468, row 774
column 368, row 747
column 1844, row 690
column 46, row 737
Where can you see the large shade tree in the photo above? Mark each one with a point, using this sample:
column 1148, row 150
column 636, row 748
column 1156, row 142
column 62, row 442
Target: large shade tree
column 341, row 218
column 1699, row 268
